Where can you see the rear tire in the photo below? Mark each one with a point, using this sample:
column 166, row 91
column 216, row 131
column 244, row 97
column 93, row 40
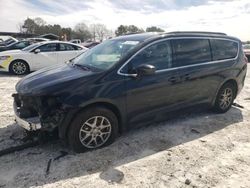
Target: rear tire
column 92, row 128
column 225, row 98
column 19, row 67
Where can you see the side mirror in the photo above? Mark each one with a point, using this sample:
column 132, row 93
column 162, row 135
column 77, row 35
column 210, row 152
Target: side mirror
column 37, row 51
column 145, row 70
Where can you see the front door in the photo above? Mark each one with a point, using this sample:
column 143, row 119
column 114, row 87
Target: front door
column 148, row 97
column 48, row 56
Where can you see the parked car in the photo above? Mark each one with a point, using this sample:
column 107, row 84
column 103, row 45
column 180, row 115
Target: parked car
column 246, row 48
column 90, row 44
column 76, row 41
column 129, row 81
column 16, row 45
column 38, row 55
column 8, row 41
column 37, row 39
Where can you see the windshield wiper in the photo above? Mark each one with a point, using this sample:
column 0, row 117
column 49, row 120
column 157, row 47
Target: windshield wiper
column 87, row 68
column 84, row 67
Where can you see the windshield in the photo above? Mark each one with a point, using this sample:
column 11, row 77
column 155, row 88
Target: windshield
column 12, row 44
column 105, row 55
column 9, row 41
column 30, row 47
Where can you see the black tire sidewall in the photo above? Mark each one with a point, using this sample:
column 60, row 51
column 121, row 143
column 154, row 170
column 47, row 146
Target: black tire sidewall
column 13, row 62
column 217, row 107
column 73, row 132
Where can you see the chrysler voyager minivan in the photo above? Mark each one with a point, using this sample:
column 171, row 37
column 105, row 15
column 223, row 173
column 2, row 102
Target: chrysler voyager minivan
column 129, row 81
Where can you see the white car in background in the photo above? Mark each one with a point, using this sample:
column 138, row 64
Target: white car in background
column 7, row 40
column 38, row 56
column 37, row 39
column 76, row 41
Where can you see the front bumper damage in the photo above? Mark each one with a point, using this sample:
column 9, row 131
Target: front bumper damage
column 30, row 124
column 37, row 113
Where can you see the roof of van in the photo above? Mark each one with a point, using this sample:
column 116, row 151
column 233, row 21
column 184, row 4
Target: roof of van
column 155, row 35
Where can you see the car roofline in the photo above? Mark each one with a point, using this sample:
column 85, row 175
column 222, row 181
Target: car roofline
column 56, row 41
column 148, row 36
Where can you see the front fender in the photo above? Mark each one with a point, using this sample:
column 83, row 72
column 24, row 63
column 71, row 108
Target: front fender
column 118, row 108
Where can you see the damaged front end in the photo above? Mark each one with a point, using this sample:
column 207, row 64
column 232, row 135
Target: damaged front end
column 38, row 112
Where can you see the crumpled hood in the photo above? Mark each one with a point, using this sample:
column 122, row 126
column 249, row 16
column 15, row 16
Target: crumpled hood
column 50, row 80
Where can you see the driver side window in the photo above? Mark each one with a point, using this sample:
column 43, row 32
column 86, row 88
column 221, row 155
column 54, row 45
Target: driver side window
column 158, row 55
column 52, row 47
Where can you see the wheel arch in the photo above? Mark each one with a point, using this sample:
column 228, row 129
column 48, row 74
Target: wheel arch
column 230, row 80
column 64, row 127
column 19, row 59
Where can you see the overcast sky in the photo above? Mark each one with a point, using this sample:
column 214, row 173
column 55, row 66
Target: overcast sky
column 230, row 16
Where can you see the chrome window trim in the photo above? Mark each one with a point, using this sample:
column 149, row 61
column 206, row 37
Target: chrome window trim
column 175, row 68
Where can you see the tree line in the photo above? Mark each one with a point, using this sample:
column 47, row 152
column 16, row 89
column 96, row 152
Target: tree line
column 82, row 31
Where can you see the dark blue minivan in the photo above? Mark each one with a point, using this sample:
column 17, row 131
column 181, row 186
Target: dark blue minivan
column 129, row 81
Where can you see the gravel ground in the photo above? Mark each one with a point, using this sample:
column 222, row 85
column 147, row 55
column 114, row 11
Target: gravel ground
column 197, row 149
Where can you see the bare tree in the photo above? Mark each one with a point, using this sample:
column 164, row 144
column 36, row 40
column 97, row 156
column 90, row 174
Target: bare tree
column 39, row 21
column 81, row 27
column 82, row 32
column 20, row 27
column 99, row 31
column 92, row 29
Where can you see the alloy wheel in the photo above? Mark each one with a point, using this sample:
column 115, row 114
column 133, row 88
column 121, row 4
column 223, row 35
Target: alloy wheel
column 95, row 132
column 226, row 98
column 19, row 67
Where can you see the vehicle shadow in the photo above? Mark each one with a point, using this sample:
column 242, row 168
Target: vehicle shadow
column 7, row 74
column 31, row 165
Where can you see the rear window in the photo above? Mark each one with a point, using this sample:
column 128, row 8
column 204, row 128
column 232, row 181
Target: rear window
column 190, row 51
column 66, row 47
column 224, row 49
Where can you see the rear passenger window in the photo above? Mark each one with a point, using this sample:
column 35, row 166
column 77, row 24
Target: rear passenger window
column 66, row 47
column 52, row 47
column 224, row 49
column 190, row 51
column 78, row 48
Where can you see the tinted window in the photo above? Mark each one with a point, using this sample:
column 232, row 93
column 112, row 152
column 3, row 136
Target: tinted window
column 158, row 55
column 31, row 47
column 48, row 47
column 78, row 48
column 191, row 51
column 224, row 49
column 21, row 44
column 105, row 55
column 67, row 47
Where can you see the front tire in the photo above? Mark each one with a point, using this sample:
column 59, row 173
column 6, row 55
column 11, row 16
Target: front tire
column 19, row 67
column 225, row 98
column 92, row 128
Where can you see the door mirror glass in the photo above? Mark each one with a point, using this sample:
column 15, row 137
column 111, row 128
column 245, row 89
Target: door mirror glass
column 37, row 51
column 145, row 70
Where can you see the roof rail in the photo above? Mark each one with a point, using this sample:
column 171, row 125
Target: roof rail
column 132, row 33
column 196, row 32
